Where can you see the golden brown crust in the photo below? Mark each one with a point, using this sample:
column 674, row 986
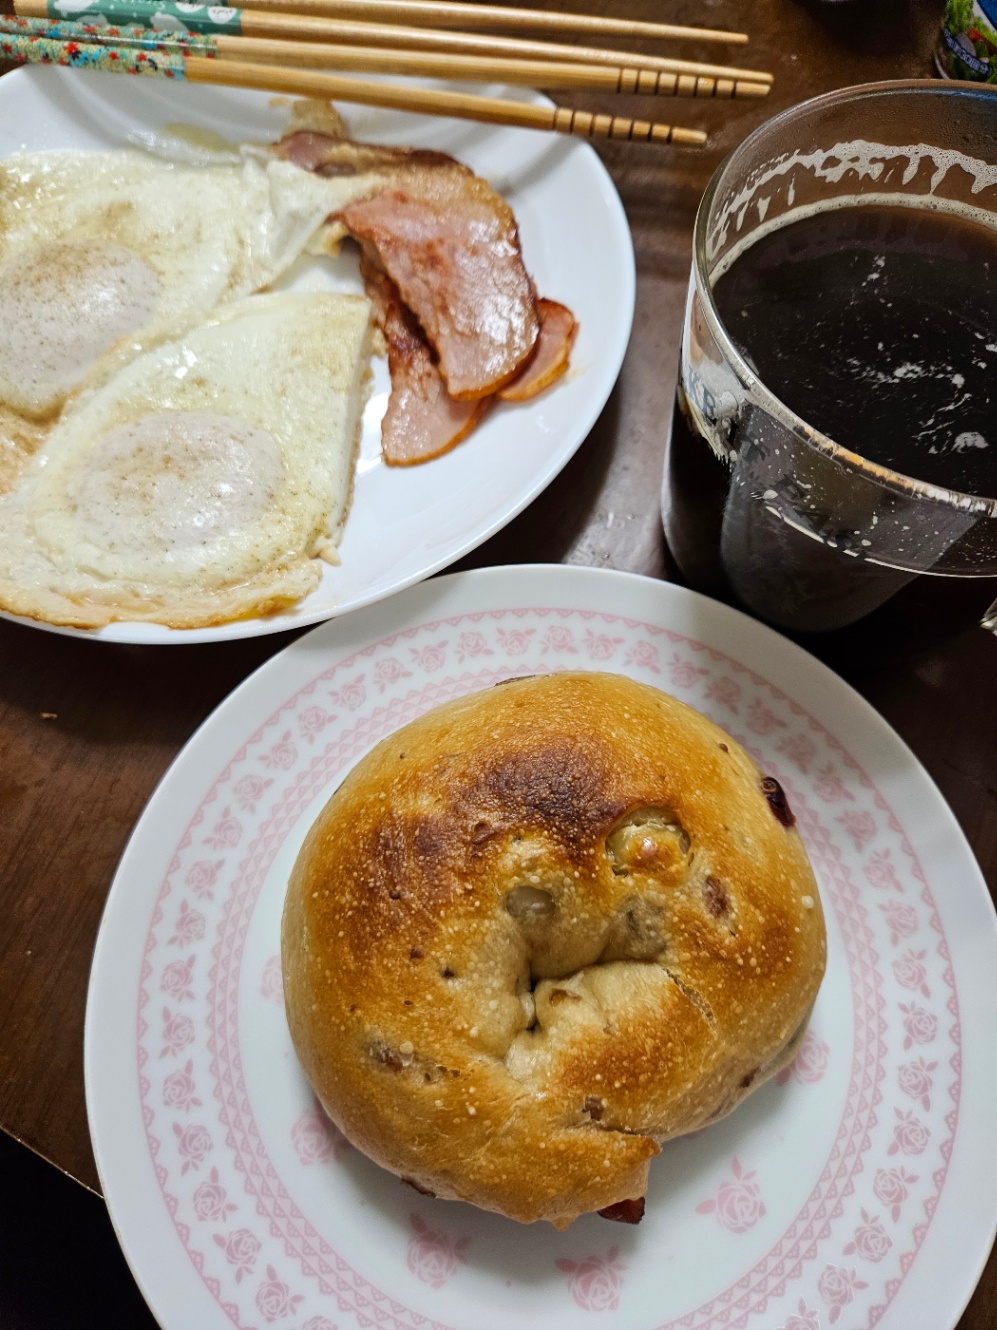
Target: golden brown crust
column 538, row 932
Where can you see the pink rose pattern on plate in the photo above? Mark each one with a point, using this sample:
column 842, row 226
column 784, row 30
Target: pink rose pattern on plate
column 434, row 1256
column 683, row 673
column 838, row 1287
column 880, row 872
column 556, row 638
column 201, row 877
column 189, row 926
column 274, row 1299
column 201, row 1130
column 312, row 722
column 900, row 919
column 211, row 1200
column 600, row 646
column 909, row 972
column 810, row 1063
column 351, row 695
column 860, row 826
column 804, row 1318
column 250, row 790
column 596, row 1282
column 761, row 720
column 725, row 691
column 644, row 656
column 515, row 641
column 910, row 1135
column 429, row 658
column 227, row 833
column 272, row 982
column 241, row 1249
column 830, row 787
column 470, row 645
column 801, row 751
column 179, row 1090
column 388, row 671
column 916, row 1080
column 177, row 977
column 317, row 1140
column 871, row 1239
column 892, row 1187
column 193, row 1145
column 178, row 1032
column 737, row 1205
column 282, row 756
column 920, row 1026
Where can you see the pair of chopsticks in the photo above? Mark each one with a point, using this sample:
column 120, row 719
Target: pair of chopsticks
column 313, row 28
column 266, row 45
column 226, row 46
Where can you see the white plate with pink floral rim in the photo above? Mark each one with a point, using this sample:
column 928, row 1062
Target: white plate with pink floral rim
column 855, row 1191
column 405, row 522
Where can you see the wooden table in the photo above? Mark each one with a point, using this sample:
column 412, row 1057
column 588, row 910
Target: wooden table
column 86, row 731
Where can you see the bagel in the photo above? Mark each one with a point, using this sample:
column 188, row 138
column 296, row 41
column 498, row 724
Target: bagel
column 540, row 931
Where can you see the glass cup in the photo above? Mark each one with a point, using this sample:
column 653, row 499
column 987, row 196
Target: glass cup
column 757, row 504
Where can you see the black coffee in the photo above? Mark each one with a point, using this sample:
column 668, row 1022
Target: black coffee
column 877, row 326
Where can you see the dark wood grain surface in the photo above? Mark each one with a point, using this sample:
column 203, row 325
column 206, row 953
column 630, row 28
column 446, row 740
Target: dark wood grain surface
column 87, row 730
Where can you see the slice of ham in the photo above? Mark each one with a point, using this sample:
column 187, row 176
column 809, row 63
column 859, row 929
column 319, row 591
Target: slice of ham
column 550, row 356
column 422, row 420
column 451, row 246
column 441, row 262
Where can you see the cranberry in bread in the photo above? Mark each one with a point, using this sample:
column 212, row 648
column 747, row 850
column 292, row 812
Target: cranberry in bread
column 541, row 930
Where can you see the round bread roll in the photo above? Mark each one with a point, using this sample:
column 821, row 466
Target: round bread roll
column 540, row 931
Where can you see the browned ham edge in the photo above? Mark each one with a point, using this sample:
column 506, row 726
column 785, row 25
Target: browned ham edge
column 550, row 357
column 322, row 154
column 422, row 420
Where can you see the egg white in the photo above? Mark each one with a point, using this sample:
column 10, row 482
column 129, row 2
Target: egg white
column 104, row 255
column 201, row 483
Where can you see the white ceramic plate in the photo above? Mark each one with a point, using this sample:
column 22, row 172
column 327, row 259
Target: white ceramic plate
column 405, row 523
column 855, row 1192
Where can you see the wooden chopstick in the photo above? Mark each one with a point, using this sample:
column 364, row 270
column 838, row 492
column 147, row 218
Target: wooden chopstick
column 315, row 55
column 483, row 69
column 260, row 23
column 174, row 64
column 449, row 14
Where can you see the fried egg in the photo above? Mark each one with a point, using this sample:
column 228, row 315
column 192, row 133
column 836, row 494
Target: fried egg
column 106, row 254
column 202, row 483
